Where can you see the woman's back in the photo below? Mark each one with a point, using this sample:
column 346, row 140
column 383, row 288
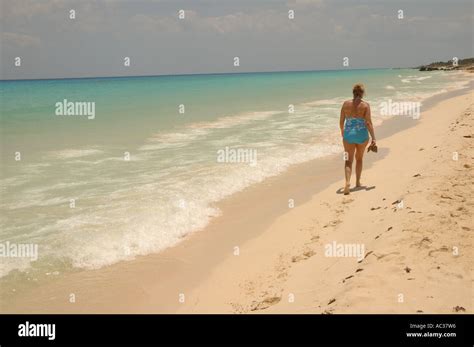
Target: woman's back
column 355, row 108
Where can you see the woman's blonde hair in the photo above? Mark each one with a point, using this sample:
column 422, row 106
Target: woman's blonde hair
column 358, row 90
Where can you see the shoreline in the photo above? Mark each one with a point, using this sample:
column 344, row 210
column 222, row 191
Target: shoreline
column 191, row 263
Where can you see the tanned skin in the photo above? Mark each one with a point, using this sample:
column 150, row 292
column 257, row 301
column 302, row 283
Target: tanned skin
column 360, row 109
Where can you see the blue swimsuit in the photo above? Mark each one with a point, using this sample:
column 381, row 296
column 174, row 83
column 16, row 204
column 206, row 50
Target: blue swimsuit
column 355, row 130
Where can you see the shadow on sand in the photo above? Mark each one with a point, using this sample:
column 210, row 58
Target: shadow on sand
column 355, row 189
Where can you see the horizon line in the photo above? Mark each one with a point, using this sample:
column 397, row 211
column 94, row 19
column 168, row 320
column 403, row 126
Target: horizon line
column 201, row 74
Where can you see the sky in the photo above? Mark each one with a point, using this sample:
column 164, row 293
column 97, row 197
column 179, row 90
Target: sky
column 104, row 32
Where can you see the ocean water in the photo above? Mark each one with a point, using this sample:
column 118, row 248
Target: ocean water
column 141, row 175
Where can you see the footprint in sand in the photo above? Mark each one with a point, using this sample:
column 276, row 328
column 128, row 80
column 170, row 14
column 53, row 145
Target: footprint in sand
column 366, row 255
column 304, row 256
column 333, row 223
column 423, row 243
column 385, row 255
column 237, row 308
column 459, row 309
column 348, row 277
column 351, row 276
column 442, row 249
column 266, row 303
column 446, row 196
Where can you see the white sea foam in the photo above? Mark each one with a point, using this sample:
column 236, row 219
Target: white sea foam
column 196, row 131
column 333, row 101
column 73, row 153
column 34, row 201
column 232, row 121
column 156, row 228
column 145, row 217
column 415, row 78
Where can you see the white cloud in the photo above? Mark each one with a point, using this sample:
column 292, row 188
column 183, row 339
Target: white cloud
column 258, row 22
column 20, row 40
column 30, row 8
column 305, row 3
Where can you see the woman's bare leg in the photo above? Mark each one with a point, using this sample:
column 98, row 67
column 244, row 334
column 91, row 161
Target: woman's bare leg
column 359, row 155
column 349, row 149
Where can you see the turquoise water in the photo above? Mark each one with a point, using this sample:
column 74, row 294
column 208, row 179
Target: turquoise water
column 172, row 181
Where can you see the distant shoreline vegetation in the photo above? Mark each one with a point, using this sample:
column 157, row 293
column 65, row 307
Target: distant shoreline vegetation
column 462, row 64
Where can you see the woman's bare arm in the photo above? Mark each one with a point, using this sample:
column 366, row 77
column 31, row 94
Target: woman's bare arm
column 368, row 120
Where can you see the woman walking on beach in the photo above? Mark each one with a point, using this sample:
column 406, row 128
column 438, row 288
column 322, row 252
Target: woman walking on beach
column 355, row 124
